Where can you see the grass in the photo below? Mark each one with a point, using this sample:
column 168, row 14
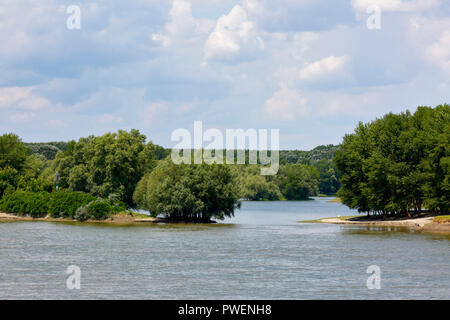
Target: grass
column 335, row 200
column 442, row 219
column 133, row 214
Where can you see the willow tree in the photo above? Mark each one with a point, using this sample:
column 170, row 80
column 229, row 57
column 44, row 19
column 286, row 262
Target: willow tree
column 188, row 192
column 398, row 164
column 107, row 165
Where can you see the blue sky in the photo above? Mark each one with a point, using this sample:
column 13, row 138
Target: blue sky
column 310, row 68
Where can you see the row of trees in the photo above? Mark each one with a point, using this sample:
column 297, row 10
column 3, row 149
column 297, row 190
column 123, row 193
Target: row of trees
column 399, row 164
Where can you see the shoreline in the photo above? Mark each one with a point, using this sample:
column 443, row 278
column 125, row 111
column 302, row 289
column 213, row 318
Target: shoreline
column 117, row 219
column 425, row 224
column 114, row 219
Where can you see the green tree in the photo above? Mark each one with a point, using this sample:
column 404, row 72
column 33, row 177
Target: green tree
column 188, row 192
column 298, row 182
column 256, row 187
column 12, row 152
column 397, row 164
column 110, row 164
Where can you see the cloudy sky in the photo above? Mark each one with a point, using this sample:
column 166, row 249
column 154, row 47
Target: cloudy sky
column 311, row 68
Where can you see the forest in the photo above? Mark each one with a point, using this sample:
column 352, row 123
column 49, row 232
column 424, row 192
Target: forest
column 395, row 165
column 99, row 175
column 398, row 164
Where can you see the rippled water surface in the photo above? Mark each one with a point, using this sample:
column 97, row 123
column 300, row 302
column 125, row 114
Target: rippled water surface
column 262, row 253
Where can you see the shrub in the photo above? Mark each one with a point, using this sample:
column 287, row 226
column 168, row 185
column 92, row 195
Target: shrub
column 57, row 204
column 96, row 210
column 65, row 204
column 82, row 213
column 26, row 203
column 99, row 209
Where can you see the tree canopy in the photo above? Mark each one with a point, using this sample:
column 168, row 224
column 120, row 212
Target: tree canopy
column 106, row 166
column 13, row 153
column 398, row 164
column 188, row 192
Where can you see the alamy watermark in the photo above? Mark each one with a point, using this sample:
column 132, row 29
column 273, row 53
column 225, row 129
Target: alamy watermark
column 74, row 280
column 374, row 280
column 234, row 144
column 73, row 22
column 373, row 22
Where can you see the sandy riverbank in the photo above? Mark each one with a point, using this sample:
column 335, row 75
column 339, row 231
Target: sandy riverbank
column 115, row 219
column 426, row 223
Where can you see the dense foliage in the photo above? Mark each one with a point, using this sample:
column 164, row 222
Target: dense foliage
column 13, row 153
column 398, row 164
column 293, row 182
column 47, row 149
column 111, row 164
column 57, row 204
column 188, row 192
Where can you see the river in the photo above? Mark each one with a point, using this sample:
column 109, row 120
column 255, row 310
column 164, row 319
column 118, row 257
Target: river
column 262, row 253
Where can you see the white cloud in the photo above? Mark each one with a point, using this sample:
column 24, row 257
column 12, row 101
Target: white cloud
column 22, row 116
column 233, row 36
column 108, row 118
column 22, row 97
column 285, row 104
column 439, row 52
column 151, row 112
column 395, row 5
column 323, row 67
column 55, row 124
column 182, row 24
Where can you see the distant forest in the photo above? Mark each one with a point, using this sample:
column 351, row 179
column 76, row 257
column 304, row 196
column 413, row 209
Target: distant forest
column 320, row 158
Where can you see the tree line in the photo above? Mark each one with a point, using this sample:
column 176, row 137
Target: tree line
column 122, row 167
column 398, row 164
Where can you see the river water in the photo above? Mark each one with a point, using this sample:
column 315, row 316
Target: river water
column 262, row 253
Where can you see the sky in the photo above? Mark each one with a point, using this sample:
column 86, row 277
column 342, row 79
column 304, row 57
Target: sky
column 311, row 68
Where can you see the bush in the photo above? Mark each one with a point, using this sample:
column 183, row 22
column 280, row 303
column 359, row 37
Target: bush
column 65, row 204
column 98, row 210
column 26, row 203
column 57, row 204
column 82, row 214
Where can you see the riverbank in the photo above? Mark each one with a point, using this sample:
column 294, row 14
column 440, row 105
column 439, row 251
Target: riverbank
column 114, row 219
column 425, row 223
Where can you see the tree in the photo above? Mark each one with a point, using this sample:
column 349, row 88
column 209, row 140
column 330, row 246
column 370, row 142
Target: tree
column 256, row 187
column 298, row 182
column 188, row 192
column 106, row 165
column 12, row 152
column 397, row 164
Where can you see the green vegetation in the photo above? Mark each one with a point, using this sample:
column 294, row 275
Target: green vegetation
column 13, row 153
column 442, row 219
column 188, row 192
column 398, row 164
column 48, row 149
column 293, row 182
column 108, row 165
column 60, row 204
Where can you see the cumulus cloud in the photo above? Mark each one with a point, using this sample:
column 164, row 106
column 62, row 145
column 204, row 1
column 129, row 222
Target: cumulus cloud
column 22, row 97
column 439, row 52
column 286, row 104
column 151, row 112
column 182, row 24
column 22, row 116
column 234, row 37
column 326, row 66
column 395, row 5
